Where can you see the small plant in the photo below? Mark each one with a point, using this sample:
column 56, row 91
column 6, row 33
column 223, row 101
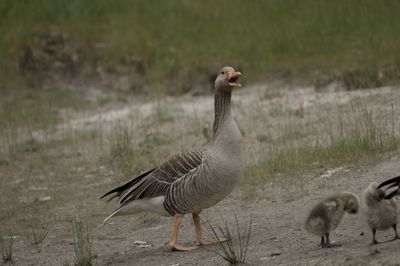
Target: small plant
column 121, row 149
column 6, row 247
column 129, row 153
column 234, row 254
column 39, row 232
column 161, row 113
column 82, row 243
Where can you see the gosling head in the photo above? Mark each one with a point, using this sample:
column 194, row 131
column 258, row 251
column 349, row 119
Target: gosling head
column 227, row 78
column 352, row 203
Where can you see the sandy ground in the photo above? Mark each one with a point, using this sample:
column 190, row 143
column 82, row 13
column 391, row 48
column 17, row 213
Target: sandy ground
column 278, row 228
column 279, row 211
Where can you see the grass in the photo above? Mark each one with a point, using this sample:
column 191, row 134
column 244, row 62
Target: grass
column 183, row 40
column 6, row 247
column 134, row 149
column 161, row 113
column 40, row 232
column 26, row 116
column 82, row 243
column 348, row 138
column 124, row 155
column 234, row 254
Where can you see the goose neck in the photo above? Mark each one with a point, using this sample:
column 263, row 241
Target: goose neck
column 222, row 107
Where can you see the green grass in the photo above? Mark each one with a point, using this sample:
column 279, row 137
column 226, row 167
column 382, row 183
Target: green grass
column 134, row 150
column 186, row 40
column 23, row 112
column 349, row 138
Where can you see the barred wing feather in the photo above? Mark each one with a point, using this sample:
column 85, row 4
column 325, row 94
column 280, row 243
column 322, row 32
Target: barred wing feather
column 157, row 181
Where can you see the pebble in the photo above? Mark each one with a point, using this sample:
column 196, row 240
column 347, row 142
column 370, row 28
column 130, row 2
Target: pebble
column 45, row 198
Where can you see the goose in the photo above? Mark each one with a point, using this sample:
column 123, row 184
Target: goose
column 380, row 209
column 326, row 215
column 189, row 182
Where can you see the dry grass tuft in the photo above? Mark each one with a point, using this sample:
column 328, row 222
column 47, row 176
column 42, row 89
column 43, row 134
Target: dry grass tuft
column 232, row 248
column 82, row 243
column 39, row 232
column 6, row 247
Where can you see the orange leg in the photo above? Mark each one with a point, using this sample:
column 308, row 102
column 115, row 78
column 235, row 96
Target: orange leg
column 199, row 231
column 174, row 237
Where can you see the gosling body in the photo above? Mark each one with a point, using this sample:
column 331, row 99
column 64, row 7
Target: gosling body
column 381, row 214
column 328, row 213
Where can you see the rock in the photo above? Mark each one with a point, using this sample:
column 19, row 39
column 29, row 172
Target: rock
column 141, row 244
column 47, row 198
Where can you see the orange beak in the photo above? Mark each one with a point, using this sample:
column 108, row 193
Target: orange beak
column 232, row 78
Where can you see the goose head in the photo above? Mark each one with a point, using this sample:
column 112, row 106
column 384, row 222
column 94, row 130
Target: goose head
column 227, row 78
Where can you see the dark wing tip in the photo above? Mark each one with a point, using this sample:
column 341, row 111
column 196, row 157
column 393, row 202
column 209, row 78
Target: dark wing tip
column 390, row 181
column 108, row 193
column 119, row 189
column 392, row 194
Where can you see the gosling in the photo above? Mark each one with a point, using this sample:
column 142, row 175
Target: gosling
column 380, row 211
column 328, row 213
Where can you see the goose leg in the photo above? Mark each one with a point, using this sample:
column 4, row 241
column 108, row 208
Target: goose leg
column 174, row 237
column 396, row 236
column 199, row 231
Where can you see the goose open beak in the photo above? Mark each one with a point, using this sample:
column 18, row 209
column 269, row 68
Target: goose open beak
column 233, row 77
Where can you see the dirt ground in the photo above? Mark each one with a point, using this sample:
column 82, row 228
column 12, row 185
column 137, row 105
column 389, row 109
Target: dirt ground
column 278, row 228
column 35, row 189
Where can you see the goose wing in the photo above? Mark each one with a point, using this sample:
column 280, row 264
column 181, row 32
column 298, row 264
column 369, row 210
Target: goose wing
column 156, row 182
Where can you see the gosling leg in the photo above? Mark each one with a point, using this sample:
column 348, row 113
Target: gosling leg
column 328, row 244
column 374, row 241
column 323, row 242
column 396, row 236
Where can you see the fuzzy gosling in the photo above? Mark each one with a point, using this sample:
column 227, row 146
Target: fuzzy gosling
column 328, row 213
column 381, row 213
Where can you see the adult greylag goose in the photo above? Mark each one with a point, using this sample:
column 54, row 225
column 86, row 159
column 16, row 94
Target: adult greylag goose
column 380, row 209
column 328, row 213
column 192, row 181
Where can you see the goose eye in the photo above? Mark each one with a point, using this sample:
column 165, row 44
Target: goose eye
column 223, row 73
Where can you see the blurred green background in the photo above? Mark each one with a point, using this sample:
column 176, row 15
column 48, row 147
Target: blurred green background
column 177, row 44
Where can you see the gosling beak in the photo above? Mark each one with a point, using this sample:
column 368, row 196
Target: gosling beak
column 232, row 79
